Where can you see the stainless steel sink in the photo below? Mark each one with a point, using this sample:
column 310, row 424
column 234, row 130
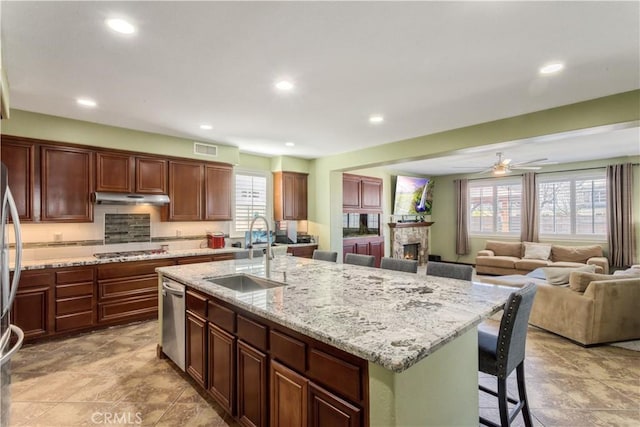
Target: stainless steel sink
column 245, row 283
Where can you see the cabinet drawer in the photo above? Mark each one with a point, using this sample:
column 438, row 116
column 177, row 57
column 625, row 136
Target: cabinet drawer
column 341, row 376
column 222, row 317
column 136, row 308
column 194, row 260
column 288, row 350
column 32, row 280
column 74, row 321
column 252, row 332
column 197, row 304
column 73, row 305
column 74, row 276
column 127, row 288
column 74, row 290
column 129, row 269
column 224, row 257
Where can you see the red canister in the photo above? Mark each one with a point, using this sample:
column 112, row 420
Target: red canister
column 215, row 240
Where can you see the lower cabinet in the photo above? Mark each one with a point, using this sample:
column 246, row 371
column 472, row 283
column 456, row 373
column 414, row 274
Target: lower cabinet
column 364, row 246
column 252, row 386
column 267, row 375
column 34, row 306
column 302, row 251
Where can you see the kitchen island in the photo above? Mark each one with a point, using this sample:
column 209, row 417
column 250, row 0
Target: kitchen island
column 416, row 335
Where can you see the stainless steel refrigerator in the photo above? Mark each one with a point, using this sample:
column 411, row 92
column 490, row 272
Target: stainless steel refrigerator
column 11, row 336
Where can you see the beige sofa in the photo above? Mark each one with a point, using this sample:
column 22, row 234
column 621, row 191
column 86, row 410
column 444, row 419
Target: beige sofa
column 502, row 258
column 593, row 309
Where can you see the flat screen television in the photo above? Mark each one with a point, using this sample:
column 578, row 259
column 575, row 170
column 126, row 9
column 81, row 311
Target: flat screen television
column 414, row 196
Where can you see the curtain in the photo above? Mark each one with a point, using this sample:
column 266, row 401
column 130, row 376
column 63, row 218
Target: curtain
column 529, row 209
column 462, row 232
column 621, row 233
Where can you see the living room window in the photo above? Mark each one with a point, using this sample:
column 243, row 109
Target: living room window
column 573, row 204
column 250, row 200
column 494, row 206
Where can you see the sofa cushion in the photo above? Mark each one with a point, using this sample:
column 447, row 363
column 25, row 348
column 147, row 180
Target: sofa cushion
column 497, row 261
column 511, row 249
column 560, row 275
column 579, row 280
column 578, row 254
column 536, row 250
column 531, row 264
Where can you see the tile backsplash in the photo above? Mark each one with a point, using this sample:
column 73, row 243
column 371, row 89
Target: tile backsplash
column 127, row 228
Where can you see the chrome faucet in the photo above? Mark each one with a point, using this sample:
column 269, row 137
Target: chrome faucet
column 268, row 251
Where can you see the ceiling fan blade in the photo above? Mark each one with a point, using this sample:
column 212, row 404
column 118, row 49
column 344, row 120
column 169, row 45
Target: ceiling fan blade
column 506, row 161
column 531, row 161
column 533, row 168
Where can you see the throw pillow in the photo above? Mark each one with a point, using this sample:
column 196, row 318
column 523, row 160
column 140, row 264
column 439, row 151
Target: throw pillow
column 560, row 275
column 537, row 250
column 579, row 280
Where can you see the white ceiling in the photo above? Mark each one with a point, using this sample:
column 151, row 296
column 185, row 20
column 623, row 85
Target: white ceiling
column 426, row 66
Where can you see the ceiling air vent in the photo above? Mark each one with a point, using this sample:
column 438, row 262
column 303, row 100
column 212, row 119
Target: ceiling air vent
column 205, row 149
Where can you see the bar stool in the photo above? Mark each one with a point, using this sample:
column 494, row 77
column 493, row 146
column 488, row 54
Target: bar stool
column 452, row 271
column 397, row 264
column 325, row 255
column 502, row 353
column 363, row 260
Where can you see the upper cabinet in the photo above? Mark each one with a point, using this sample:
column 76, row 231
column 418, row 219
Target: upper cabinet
column 66, row 184
column 199, row 191
column 124, row 173
column 361, row 193
column 19, row 158
column 289, row 196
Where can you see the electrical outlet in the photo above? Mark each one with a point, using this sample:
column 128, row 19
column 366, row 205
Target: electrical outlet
column 178, row 233
column 57, row 237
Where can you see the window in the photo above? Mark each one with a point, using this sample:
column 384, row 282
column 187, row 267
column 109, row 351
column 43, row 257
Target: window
column 251, row 199
column 494, row 206
column 573, row 205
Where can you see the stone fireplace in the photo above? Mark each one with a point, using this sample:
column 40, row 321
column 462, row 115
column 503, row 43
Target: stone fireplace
column 415, row 234
column 411, row 250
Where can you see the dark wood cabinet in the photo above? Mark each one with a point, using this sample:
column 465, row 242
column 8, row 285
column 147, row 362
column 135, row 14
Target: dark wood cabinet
column 290, row 196
column 33, row 307
column 302, row 251
column 288, row 405
column 185, row 191
column 196, row 352
column 252, row 386
column 75, row 298
column 66, row 184
column 327, row 409
column 151, row 176
column 218, row 185
column 361, row 193
column 19, row 158
column 114, row 172
column 222, row 364
column 364, row 246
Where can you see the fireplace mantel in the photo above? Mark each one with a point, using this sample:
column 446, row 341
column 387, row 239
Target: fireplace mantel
column 409, row 224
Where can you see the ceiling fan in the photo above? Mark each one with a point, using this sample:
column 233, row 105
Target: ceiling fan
column 503, row 165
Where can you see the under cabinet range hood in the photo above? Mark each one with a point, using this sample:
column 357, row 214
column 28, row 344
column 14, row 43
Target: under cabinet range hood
column 102, row 198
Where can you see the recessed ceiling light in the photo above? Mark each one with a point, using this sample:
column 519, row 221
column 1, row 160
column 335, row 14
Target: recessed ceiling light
column 206, row 127
column 284, row 85
column 121, row 26
column 289, row 144
column 86, row 102
column 376, row 118
column 552, row 68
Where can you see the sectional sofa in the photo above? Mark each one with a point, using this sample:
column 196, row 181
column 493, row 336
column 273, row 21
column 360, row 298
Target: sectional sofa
column 504, row 258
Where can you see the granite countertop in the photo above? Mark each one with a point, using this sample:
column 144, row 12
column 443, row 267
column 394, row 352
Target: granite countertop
column 389, row 318
column 91, row 260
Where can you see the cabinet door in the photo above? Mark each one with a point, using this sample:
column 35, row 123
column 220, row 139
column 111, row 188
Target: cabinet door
column 151, row 176
column 252, row 386
column 289, row 197
column 348, row 248
column 377, row 250
column 350, row 192
column 362, row 248
column 301, row 196
column 32, row 310
column 196, row 349
column 19, row 159
column 371, row 193
column 66, row 184
column 328, row 410
column 185, row 191
column 114, row 172
column 218, row 186
column 222, row 367
column 288, row 397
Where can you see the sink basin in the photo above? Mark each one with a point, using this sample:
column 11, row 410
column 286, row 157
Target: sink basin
column 245, row 283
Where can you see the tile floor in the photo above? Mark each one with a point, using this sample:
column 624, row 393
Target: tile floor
column 112, row 377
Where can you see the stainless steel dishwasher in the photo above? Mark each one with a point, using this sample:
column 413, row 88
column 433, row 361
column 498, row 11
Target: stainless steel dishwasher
column 173, row 326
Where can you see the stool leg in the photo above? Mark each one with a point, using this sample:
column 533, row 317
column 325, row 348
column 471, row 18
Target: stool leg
column 522, row 393
column 503, row 404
